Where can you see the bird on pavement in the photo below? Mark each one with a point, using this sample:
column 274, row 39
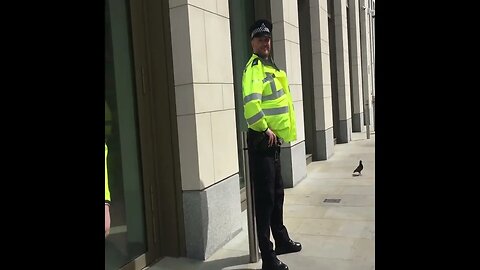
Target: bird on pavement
column 358, row 169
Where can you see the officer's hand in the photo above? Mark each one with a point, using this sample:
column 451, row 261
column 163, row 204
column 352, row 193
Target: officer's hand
column 272, row 138
column 107, row 220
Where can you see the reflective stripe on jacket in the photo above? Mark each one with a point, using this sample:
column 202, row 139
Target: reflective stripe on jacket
column 107, row 190
column 267, row 101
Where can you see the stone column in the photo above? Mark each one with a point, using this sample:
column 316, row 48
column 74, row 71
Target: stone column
column 286, row 53
column 205, row 105
column 366, row 62
column 356, row 71
column 343, row 72
column 321, row 79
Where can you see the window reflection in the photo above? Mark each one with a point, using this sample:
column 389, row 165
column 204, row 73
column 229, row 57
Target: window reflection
column 127, row 238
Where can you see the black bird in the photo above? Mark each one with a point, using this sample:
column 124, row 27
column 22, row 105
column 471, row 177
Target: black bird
column 359, row 168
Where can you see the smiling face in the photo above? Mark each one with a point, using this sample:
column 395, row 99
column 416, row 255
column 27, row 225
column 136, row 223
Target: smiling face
column 262, row 46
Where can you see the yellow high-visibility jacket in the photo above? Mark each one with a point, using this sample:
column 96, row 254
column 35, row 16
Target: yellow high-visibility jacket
column 267, row 101
column 107, row 190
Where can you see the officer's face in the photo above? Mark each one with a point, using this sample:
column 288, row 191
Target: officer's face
column 261, row 46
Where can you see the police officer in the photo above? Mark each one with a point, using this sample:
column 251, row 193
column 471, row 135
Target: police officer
column 107, row 196
column 268, row 110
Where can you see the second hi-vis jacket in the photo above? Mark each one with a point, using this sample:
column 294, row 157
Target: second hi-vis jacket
column 267, row 100
column 107, row 190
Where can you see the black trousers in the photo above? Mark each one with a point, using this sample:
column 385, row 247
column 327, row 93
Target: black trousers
column 265, row 173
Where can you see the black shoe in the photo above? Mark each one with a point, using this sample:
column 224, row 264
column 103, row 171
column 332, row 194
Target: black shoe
column 276, row 264
column 289, row 247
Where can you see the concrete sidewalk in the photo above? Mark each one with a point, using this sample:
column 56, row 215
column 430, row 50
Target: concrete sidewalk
column 334, row 236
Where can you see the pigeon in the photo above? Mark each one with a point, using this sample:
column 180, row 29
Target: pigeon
column 358, row 169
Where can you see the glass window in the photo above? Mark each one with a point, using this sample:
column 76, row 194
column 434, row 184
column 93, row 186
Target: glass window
column 127, row 239
column 241, row 17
